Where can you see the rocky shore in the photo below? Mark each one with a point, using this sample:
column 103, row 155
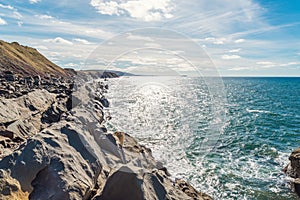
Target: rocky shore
column 54, row 145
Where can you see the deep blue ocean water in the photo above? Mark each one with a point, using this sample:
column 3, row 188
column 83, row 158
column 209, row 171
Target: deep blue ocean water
column 233, row 148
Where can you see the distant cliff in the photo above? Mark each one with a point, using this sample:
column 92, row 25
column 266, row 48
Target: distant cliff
column 26, row 61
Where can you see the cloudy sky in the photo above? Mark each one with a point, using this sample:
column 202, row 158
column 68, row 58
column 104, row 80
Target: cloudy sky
column 240, row 37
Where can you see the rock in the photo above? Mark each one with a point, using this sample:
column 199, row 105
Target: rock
column 3, row 92
column 138, row 183
column 120, row 136
column 29, row 81
column 37, row 80
column 72, row 102
column 7, row 133
column 4, row 142
column 9, row 76
column 293, row 170
column 20, row 108
column 295, row 158
column 54, row 112
column 122, row 184
column 73, row 156
column 57, row 162
column 22, row 116
column 190, row 191
column 10, row 188
column 23, row 128
column 104, row 102
column 11, row 88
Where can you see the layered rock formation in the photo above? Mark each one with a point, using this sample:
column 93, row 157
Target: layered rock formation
column 293, row 170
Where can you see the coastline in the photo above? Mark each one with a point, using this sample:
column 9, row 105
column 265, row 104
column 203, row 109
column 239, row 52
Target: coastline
column 71, row 154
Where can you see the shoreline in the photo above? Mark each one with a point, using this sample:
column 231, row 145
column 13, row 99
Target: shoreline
column 71, row 147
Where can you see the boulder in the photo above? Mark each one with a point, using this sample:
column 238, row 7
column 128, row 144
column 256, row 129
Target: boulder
column 21, row 117
column 29, row 81
column 123, row 183
column 9, row 77
column 37, row 80
column 131, row 182
column 104, row 102
column 293, row 170
column 63, row 162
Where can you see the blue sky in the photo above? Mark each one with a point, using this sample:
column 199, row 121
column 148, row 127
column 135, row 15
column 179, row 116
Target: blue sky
column 240, row 37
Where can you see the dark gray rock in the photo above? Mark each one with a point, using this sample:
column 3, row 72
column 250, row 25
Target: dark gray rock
column 37, row 80
column 104, row 102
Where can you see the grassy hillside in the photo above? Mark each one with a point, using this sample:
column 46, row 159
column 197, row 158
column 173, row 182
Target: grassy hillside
column 26, row 61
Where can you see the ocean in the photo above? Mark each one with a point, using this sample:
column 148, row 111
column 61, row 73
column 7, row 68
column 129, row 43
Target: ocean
column 232, row 148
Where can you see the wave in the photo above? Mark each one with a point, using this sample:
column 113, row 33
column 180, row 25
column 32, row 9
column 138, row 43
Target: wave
column 258, row 111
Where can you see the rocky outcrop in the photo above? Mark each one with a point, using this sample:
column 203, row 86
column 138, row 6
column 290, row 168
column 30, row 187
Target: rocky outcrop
column 21, row 86
column 293, row 170
column 67, row 153
column 20, row 118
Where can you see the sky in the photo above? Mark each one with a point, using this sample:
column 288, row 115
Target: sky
column 236, row 38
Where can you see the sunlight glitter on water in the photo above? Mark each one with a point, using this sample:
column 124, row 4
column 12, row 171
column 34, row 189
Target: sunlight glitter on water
column 175, row 116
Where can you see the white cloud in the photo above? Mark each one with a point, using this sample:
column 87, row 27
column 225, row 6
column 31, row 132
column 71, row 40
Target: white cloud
column 239, row 68
column 6, row 7
column 20, row 24
column 34, row 1
column 62, row 27
column 216, row 40
column 2, row 21
column 289, row 64
column 152, row 45
column 17, row 15
column 41, row 47
column 265, row 63
column 59, row 40
column 70, row 65
column 44, row 16
column 139, row 37
column 235, row 50
column 268, row 64
column 82, row 41
column 12, row 13
column 106, row 8
column 146, row 10
column 230, row 57
column 239, row 41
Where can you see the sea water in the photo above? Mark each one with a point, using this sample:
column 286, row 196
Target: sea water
column 240, row 156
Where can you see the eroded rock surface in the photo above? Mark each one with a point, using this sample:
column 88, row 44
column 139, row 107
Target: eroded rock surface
column 69, row 154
